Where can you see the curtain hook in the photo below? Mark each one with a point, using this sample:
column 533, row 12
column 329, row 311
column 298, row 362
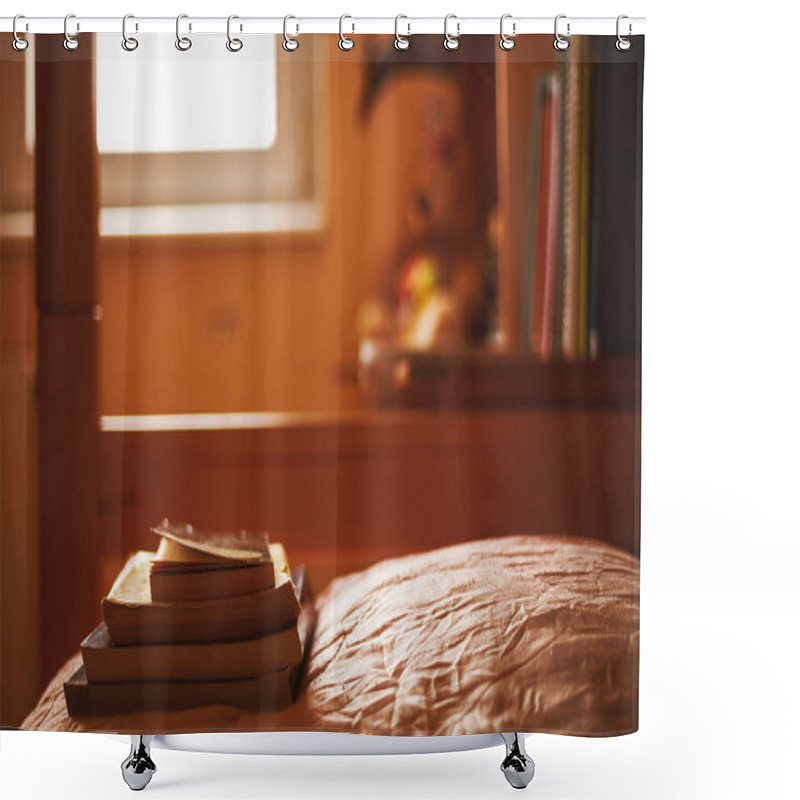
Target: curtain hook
column 451, row 42
column 290, row 43
column 507, row 42
column 561, row 42
column 18, row 43
column 129, row 43
column 401, row 42
column 234, row 45
column 70, row 42
column 345, row 42
column 623, row 43
column 183, row 43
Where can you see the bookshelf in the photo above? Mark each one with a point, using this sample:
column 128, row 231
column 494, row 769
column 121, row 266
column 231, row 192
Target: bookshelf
column 566, row 190
column 486, row 379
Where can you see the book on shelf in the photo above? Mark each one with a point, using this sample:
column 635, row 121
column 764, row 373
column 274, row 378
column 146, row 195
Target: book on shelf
column 585, row 211
column 571, row 231
column 538, row 98
column 579, row 267
column 544, row 252
column 616, row 197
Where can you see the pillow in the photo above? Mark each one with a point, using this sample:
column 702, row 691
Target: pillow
column 522, row 633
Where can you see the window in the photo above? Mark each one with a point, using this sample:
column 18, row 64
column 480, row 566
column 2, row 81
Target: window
column 207, row 141
column 186, row 101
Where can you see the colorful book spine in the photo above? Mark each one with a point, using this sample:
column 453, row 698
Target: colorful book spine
column 596, row 146
column 559, row 304
column 552, row 194
column 534, row 228
column 585, row 221
column 570, row 231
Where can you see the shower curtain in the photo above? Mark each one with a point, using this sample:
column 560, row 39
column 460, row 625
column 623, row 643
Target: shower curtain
column 320, row 383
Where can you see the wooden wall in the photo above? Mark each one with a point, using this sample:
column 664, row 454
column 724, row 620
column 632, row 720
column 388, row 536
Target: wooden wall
column 264, row 323
column 245, row 322
column 341, row 492
column 19, row 544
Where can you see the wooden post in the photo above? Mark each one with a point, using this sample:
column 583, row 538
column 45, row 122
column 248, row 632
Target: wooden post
column 66, row 234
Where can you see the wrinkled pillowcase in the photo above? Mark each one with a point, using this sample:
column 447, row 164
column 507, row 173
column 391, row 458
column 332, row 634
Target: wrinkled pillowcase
column 522, row 633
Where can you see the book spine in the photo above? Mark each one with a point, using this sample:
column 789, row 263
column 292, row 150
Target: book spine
column 255, row 614
column 617, row 169
column 535, row 178
column 236, row 660
column 268, row 693
column 583, row 270
column 551, row 237
column 571, row 204
column 598, row 98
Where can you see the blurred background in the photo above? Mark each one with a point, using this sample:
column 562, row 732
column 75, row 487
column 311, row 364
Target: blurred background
column 373, row 302
column 719, row 471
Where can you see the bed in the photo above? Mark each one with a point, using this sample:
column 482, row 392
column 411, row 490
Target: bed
column 541, row 635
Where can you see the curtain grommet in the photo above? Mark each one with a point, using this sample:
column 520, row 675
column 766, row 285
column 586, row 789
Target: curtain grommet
column 401, row 42
column 623, row 43
column 507, row 42
column 70, row 42
column 561, row 42
column 345, row 42
column 451, row 42
column 290, row 43
column 233, row 44
column 183, row 43
column 129, row 43
column 18, row 43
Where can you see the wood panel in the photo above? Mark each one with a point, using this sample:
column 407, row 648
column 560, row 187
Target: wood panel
column 19, row 542
column 237, row 323
column 19, row 553
column 341, row 493
column 491, row 379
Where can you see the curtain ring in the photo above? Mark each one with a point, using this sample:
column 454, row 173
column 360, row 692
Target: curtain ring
column 451, row 42
column 18, row 43
column 623, row 43
column 290, row 43
column 507, row 42
column 401, row 42
column 129, row 43
column 345, row 42
column 183, row 43
column 70, row 42
column 561, row 42
column 233, row 44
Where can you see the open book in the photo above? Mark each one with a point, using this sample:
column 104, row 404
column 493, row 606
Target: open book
column 197, row 565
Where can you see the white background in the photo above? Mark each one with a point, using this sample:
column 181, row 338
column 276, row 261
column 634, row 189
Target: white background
column 720, row 532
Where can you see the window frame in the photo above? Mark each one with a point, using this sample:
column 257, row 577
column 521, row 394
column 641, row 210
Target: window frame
column 298, row 206
column 294, row 204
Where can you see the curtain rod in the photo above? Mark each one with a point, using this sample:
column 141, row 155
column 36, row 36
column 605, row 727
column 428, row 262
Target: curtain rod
column 351, row 25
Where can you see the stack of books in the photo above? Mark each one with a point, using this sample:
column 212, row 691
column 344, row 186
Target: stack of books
column 208, row 618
